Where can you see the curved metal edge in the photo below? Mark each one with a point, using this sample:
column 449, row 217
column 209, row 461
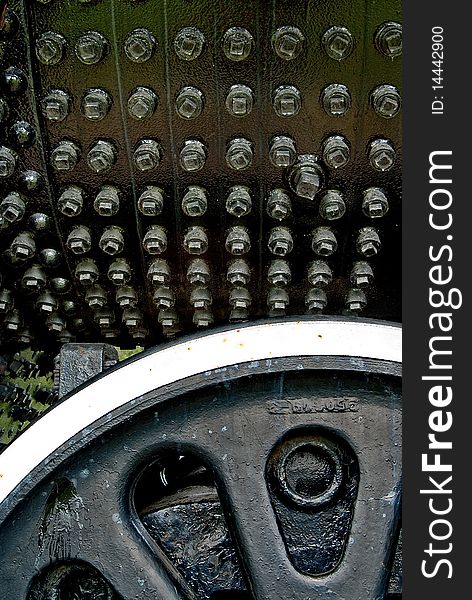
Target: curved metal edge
column 162, row 367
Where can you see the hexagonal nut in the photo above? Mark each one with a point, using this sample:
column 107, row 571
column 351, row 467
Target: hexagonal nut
column 374, row 203
column 332, row 205
column 155, row 240
column 198, row 272
column 193, row 155
column 239, row 298
column 316, row 300
column 147, row 155
column 107, row 201
column 239, row 272
column 324, row 241
column 126, row 296
column 163, row 297
column 278, row 299
column 101, row 156
column 194, row 202
column 188, row 43
column 189, row 103
column 240, row 100
column 319, row 274
column 237, row 44
column 95, row 297
column 56, row 105
column 112, row 241
column 65, row 156
column 361, row 275
column 87, row 272
column 338, row 42
column 167, row 318
column 306, row 176
column 200, row 298
column 195, row 240
column 91, row 48
column 287, row 101
column 140, row 45
column 239, row 154
column 280, row 241
column 368, row 242
column 355, row 300
column 279, row 205
column 279, row 273
column 142, row 103
column 382, row 155
column 71, row 201
column 239, row 201
column 23, row 247
column 34, row 279
column 282, row 152
column 96, row 104
column 79, row 240
column 287, row 42
column 336, row 152
column 238, row 241
column 386, row 101
column 12, row 207
column 159, row 272
column 50, row 48
column 336, row 99
column 119, row 272
column 151, row 201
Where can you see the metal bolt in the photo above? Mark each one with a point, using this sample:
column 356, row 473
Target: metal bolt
column 33, row 279
column 338, row 42
column 196, row 240
column 31, row 181
column 96, row 104
column 287, row 101
column 386, row 101
column 60, row 285
column 46, row 303
column 239, row 202
column 101, row 157
column 282, row 152
column 151, row 201
column 319, row 274
column 167, row 318
column 306, row 176
column 112, row 241
column 132, row 317
column 107, row 201
column 381, row 154
column 277, row 299
column 50, row 48
column 87, row 272
column 200, row 297
column 332, row 205
column 69, row 307
column 163, row 297
column 368, row 242
column 237, row 315
column 240, row 100
column 50, row 257
column 22, row 134
column 239, row 298
column 142, row 103
column 361, row 274
column 23, row 247
column 279, row 273
column 155, row 240
column 13, row 207
column 119, row 272
column 55, row 323
column 239, row 154
column 279, row 205
column 202, row 318
column 104, row 317
column 388, row 39
column 336, row 99
column 324, row 241
column 39, row 222
column 356, row 300
column 336, row 152
column 189, row 103
column 194, row 202
column 126, row 296
column 147, row 155
column 287, row 42
column 95, row 297
column 159, row 272
column 8, row 159
column 140, row 45
column 198, row 272
column 56, row 105
column 71, row 201
column 193, row 155
column 91, row 48
column 237, row 43
column 79, row 240
column 239, row 272
column 6, row 300
column 280, row 241
column 316, row 299
column 188, row 43
column 374, row 203
column 14, row 81
column 238, row 241
column 13, row 320
column 65, row 156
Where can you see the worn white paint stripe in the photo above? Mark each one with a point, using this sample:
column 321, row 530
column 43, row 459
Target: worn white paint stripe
column 163, row 367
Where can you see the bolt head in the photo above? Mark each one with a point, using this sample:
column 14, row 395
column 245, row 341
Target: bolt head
column 239, row 155
column 338, row 43
column 336, row 152
column 189, row 103
column 287, row 42
column 139, row 45
column 386, row 101
column 336, row 100
column 111, row 247
column 388, row 39
column 308, row 183
column 91, row 48
column 188, row 43
column 192, row 156
column 237, row 44
column 96, row 105
column 101, row 157
column 50, row 48
column 287, row 101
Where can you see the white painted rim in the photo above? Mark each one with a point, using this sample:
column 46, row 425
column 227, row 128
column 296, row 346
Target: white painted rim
column 185, row 359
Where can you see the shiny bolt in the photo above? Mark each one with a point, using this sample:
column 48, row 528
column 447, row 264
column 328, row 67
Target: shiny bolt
column 104, row 317
column 368, row 242
column 55, row 323
column 140, row 45
column 155, row 240
column 34, row 279
column 198, row 272
column 237, row 43
column 142, row 103
column 22, row 134
column 6, row 300
column 189, row 103
column 56, row 106
column 239, row 202
column 79, row 240
column 381, row 154
column 336, row 152
column 31, row 181
column 151, row 201
column 101, row 157
column 119, row 272
column 277, row 299
column 196, row 240
column 332, row 205
column 279, row 205
column 91, row 48
column 13, row 207
column 87, row 272
column 287, row 101
column 240, row 100
column 280, row 241
column 200, row 297
column 112, row 241
column 132, row 317
column 282, row 152
column 107, row 201
column 338, row 42
column 239, row 297
column 126, row 296
column 50, row 48
column 14, row 81
column 361, row 274
column 8, row 160
column 287, row 42
column 46, row 303
column 319, row 274
column 237, row 315
column 336, row 99
column 202, row 318
column 159, row 272
column 71, row 201
column 388, row 39
column 193, row 155
column 188, row 43
column 163, row 297
column 306, row 176
column 279, row 273
column 355, row 300
column 238, row 241
column 316, row 300
column 40, row 222
column 239, row 154
column 13, row 320
column 324, row 241
column 95, row 297
column 194, row 202
column 23, row 247
column 60, row 285
column 147, row 155
column 386, row 101
column 65, row 156
column 374, row 203
column 239, row 272
column 96, row 104
column 167, row 318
